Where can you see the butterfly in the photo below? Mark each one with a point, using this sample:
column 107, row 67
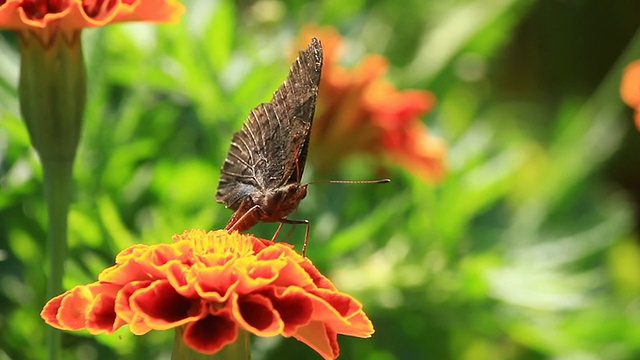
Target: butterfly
column 260, row 177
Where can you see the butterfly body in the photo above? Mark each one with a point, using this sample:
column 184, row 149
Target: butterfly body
column 270, row 206
column 260, row 178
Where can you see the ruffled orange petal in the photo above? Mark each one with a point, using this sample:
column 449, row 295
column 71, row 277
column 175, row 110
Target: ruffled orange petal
column 255, row 313
column 320, row 338
column 294, row 307
column 342, row 313
column 182, row 278
column 78, row 14
column 50, row 311
column 161, row 307
column 259, row 274
column 83, row 306
column 318, row 279
column 102, row 318
column 292, row 272
column 216, row 283
column 211, row 333
column 143, row 263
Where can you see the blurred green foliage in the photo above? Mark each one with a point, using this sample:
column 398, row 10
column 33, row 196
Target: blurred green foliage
column 526, row 250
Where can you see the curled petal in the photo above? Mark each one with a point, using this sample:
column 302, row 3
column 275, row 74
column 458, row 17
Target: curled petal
column 182, row 278
column 256, row 314
column 161, row 307
column 216, row 283
column 320, row 338
column 102, row 317
column 294, row 307
column 122, row 307
column 342, row 313
column 50, row 311
column 259, row 274
column 211, row 333
column 71, row 310
column 318, row 279
column 145, row 263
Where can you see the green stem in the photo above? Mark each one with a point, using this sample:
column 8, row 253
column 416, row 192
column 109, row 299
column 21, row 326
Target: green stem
column 240, row 349
column 57, row 191
column 52, row 97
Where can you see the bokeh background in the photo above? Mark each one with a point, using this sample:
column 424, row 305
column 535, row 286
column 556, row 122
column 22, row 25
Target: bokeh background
column 527, row 248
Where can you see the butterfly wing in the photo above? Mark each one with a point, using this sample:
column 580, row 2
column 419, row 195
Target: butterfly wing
column 271, row 148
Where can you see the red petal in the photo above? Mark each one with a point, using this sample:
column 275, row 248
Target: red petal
column 342, row 313
column 122, row 306
column 319, row 280
column 256, row 314
column 320, row 338
column 163, row 308
column 50, row 311
column 73, row 310
column 102, row 316
column 294, row 307
column 211, row 333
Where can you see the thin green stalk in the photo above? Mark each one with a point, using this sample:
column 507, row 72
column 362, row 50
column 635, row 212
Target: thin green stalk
column 52, row 97
column 57, row 191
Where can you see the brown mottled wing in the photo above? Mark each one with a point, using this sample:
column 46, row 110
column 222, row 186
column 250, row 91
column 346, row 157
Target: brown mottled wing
column 270, row 150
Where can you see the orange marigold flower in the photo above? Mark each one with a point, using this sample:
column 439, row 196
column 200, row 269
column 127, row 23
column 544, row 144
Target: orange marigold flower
column 213, row 284
column 630, row 88
column 360, row 112
column 78, row 14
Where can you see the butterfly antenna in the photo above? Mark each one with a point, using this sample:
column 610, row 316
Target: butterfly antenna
column 376, row 181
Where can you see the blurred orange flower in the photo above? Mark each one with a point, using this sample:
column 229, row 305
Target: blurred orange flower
column 630, row 88
column 213, row 283
column 360, row 112
column 78, row 14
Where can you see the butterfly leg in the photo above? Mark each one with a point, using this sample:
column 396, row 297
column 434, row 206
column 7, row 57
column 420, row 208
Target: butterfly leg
column 243, row 220
column 275, row 236
column 306, row 234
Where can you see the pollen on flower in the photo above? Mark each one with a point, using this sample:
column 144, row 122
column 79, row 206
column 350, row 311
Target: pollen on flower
column 220, row 243
column 211, row 284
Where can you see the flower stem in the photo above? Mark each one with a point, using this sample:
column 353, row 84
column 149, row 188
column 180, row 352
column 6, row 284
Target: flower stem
column 57, row 191
column 240, row 349
column 52, row 98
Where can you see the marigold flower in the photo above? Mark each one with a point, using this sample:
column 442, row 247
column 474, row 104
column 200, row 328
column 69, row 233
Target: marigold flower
column 630, row 88
column 360, row 112
column 213, row 284
column 78, row 14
